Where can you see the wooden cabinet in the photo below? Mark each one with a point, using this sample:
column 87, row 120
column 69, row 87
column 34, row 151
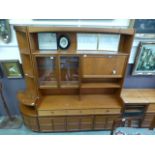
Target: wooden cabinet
column 71, row 89
column 139, row 103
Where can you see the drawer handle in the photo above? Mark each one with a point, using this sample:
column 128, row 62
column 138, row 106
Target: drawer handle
column 107, row 110
column 52, row 112
column 114, row 72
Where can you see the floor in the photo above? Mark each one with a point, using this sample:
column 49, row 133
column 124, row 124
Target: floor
column 22, row 130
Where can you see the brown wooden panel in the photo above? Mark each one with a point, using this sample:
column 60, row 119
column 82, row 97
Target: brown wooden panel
column 95, row 65
column 45, row 120
column 31, row 87
column 104, row 121
column 59, row 128
column 107, row 111
column 31, row 122
column 147, row 120
column 46, row 128
column 23, row 42
column 33, row 29
column 27, row 66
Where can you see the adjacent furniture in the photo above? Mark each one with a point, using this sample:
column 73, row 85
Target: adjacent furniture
column 125, row 122
column 71, row 89
column 141, row 103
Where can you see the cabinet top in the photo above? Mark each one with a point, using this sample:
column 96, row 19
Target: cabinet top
column 35, row 29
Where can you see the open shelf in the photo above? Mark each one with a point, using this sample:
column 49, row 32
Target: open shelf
column 72, row 102
column 100, row 85
column 26, row 98
column 83, row 52
column 69, row 84
column 48, row 84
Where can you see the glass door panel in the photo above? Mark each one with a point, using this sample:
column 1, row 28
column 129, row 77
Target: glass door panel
column 69, row 71
column 47, row 72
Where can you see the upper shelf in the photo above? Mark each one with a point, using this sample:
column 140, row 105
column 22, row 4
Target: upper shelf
column 50, row 52
column 34, row 29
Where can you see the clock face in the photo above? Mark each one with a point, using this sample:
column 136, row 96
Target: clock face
column 63, row 42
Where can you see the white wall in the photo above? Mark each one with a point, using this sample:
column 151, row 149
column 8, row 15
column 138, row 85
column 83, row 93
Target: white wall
column 10, row 50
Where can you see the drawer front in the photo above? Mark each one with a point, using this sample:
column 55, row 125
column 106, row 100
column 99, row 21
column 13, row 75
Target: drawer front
column 52, row 120
column 78, row 112
column 51, row 112
column 104, row 122
column 147, row 121
column 107, row 111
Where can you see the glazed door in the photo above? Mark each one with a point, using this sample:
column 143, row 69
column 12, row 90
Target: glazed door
column 47, row 69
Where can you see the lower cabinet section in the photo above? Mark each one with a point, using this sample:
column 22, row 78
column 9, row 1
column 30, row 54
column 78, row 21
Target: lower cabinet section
column 31, row 122
column 70, row 123
column 76, row 123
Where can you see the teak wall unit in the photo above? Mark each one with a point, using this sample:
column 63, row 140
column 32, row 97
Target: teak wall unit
column 90, row 100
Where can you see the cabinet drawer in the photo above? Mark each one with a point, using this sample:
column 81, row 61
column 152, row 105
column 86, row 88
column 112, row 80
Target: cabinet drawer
column 107, row 111
column 65, row 112
column 51, row 112
column 79, row 112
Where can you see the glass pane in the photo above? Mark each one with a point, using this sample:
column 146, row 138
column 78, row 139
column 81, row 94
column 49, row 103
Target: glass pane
column 47, row 71
column 69, row 71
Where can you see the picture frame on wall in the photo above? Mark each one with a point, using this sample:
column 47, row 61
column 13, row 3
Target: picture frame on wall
column 145, row 59
column 12, row 69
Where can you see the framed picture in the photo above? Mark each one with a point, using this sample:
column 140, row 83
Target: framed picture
column 145, row 59
column 144, row 25
column 12, row 69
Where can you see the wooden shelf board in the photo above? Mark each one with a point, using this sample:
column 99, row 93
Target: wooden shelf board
column 25, row 53
column 44, row 52
column 48, row 84
column 69, row 85
column 37, row 53
column 59, row 102
column 35, row 29
column 29, row 111
column 47, row 87
column 26, row 99
column 102, row 76
column 29, row 76
column 100, row 85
